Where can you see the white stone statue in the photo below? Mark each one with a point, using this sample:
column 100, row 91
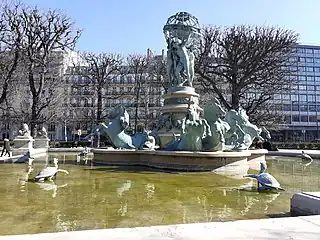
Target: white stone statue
column 25, row 132
column 43, row 132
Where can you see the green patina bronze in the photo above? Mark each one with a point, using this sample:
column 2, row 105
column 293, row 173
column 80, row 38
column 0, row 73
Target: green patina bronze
column 115, row 131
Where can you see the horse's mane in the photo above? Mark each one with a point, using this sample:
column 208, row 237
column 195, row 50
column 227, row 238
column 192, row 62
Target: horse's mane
column 117, row 111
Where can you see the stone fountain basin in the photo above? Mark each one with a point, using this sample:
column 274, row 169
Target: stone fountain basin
column 227, row 163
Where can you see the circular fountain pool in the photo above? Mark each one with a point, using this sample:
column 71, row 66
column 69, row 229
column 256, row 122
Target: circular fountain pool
column 93, row 197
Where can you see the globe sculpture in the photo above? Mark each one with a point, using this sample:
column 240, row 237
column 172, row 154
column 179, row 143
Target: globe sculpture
column 182, row 35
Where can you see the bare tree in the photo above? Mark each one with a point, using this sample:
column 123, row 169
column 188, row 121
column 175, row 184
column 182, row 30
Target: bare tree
column 158, row 71
column 10, row 39
column 138, row 67
column 100, row 70
column 46, row 37
column 246, row 66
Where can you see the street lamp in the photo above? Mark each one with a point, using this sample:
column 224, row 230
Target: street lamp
column 304, row 134
column 79, row 134
column 65, row 131
column 98, row 142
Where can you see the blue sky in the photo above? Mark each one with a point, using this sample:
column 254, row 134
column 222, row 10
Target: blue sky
column 132, row 26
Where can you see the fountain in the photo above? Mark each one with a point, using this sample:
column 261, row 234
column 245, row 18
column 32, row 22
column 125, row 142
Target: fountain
column 188, row 141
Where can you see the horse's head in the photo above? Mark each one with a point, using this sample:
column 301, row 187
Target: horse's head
column 219, row 110
column 120, row 114
column 214, row 110
column 117, row 112
column 265, row 133
column 232, row 116
column 243, row 114
column 241, row 117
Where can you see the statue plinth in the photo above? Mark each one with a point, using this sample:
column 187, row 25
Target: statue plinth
column 41, row 142
column 23, row 142
column 176, row 104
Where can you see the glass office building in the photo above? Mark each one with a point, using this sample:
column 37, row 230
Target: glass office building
column 301, row 108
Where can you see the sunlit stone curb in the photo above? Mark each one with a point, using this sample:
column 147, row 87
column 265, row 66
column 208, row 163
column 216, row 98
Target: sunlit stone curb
column 305, row 203
column 233, row 163
column 294, row 153
column 272, row 228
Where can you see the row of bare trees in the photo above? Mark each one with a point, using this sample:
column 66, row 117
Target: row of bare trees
column 103, row 70
column 250, row 64
column 32, row 44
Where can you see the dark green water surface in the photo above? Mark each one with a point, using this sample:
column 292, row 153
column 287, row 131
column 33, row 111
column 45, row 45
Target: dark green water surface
column 107, row 197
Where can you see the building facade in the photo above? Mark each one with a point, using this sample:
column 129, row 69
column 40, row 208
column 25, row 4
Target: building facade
column 301, row 108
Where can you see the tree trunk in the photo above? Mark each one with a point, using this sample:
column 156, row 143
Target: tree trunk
column 99, row 104
column 9, row 77
column 235, row 98
column 34, row 116
column 137, row 107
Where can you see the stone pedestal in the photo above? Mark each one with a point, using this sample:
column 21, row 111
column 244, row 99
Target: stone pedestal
column 41, row 143
column 176, row 103
column 23, row 142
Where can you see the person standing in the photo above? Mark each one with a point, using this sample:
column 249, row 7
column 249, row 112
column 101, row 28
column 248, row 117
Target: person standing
column 6, row 148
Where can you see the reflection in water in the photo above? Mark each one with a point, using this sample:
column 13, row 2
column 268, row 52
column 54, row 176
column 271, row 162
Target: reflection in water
column 51, row 187
column 125, row 187
column 123, row 209
column 150, row 188
column 262, row 199
column 123, row 203
column 65, row 225
column 24, row 176
column 104, row 197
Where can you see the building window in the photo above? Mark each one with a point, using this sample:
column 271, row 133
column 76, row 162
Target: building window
column 287, row 119
column 309, row 60
column 295, row 118
column 312, row 108
column 310, row 78
column 52, row 127
column 311, row 98
column 286, row 107
column 285, row 97
column 302, row 98
column 129, row 79
column 294, row 98
column 304, row 118
column 122, row 79
column 302, row 69
column 302, row 78
column 303, row 108
column 316, row 69
column 310, row 87
column 301, row 50
column 312, row 118
column 295, row 107
column 309, row 51
column 302, row 87
column 309, row 69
